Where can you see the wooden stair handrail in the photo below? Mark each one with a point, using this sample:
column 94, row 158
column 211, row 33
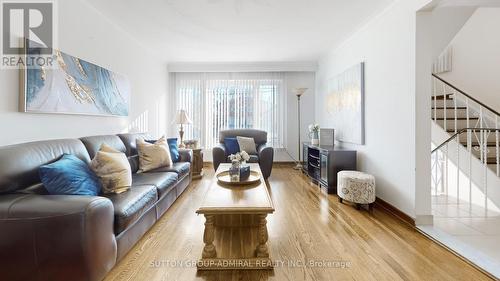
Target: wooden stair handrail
column 465, row 94
column 461, row 131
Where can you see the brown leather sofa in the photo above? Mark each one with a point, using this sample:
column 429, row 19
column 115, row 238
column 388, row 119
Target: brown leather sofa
column 74, row 237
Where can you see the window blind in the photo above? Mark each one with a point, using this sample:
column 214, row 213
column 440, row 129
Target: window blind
column 219, row 101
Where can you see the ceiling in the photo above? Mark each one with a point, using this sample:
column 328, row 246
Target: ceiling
column 239, row 30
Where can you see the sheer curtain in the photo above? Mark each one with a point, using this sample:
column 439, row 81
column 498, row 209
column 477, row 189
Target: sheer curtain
column 218, row 101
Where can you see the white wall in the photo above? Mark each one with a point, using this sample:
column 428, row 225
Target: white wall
column 446, row 22
column 85, row 33
column 476, row 57
column 387, row 46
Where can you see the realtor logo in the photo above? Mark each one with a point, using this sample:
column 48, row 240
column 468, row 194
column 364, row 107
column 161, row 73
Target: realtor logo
column 32, row 21
column 27, row 34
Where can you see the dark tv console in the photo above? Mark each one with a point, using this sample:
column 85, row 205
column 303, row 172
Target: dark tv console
column 322, row 163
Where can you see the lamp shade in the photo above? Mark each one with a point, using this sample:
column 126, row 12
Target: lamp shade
column 182, row 118
column 300, row 91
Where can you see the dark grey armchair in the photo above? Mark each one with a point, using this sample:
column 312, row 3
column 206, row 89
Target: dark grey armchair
column 265, row 154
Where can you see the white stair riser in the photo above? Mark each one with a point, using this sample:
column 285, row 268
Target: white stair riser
column 450, row 113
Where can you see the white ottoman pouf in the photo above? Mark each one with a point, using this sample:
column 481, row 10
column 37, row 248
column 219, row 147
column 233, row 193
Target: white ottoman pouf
column 356, row 187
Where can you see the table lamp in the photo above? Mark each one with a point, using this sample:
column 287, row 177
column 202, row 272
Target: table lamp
column 182, row 119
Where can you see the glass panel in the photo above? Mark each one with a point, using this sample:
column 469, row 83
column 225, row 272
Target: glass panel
column 324, row 167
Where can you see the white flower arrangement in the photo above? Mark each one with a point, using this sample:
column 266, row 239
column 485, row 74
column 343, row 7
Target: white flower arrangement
column 313, row 128
column 240, row 156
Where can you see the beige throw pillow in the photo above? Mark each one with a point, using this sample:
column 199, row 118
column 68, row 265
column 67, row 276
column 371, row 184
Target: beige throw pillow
column 247, row 145
column 153, row 156
column 113, row 169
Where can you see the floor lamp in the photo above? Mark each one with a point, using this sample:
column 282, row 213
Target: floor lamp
column 299, row 92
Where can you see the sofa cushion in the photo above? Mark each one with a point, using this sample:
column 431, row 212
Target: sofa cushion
column 129, row 206
column 130, row 141
column 163, row 182
column 93, row 143
column 253, row 159
column 20, row 162
column 180, row 168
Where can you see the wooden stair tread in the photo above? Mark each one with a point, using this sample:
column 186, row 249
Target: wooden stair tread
column 489, row 144
column 441, row 98
column 491, row 160
column 450, row 108
column 458, row 118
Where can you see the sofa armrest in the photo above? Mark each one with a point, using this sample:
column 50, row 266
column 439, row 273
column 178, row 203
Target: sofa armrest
column 266, row 158
column 56, row 237
column 186, row 155
column 219, row 155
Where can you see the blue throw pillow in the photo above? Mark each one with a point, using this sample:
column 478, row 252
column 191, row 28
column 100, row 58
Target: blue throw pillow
column 172, row 146
column 69, row 176
column 232, row 145
column 174, row 150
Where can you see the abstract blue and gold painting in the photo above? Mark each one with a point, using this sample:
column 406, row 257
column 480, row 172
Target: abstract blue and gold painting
column 74, row 86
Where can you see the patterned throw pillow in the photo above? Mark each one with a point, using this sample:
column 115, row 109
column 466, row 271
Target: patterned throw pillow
column 174, row 149
column 153, row 156
column 247, row 144
column 113, row 169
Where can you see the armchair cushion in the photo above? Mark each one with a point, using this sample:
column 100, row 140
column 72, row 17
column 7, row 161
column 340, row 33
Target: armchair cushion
column 247, row 145
column 232, row 145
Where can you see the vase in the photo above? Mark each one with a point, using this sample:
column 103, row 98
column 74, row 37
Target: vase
column 315, row 138
column 244, row 172
column 234, row 171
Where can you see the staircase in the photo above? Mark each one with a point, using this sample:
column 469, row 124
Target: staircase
column 470, row 143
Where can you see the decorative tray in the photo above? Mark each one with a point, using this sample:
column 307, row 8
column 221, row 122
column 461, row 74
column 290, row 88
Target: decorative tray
column 223, row 177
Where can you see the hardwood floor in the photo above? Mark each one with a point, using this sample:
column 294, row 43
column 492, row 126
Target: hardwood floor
column 308, row 226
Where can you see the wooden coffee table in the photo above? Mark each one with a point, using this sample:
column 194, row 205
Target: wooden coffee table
column 235, row 233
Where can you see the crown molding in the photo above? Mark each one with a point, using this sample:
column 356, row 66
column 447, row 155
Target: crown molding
column 243, row 67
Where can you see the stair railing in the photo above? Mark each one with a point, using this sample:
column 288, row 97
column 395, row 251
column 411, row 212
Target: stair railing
column 467, row 153
column 477, row 115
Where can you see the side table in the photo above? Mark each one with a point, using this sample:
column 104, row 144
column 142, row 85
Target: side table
column 197, row 168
